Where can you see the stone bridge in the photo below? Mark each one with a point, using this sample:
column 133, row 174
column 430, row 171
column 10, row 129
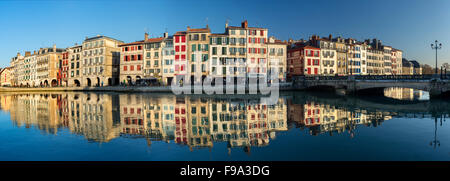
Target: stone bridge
column 436, row 86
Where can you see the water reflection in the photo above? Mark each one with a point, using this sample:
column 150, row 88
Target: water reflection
column 408, row 94
column 199, row 122
column 322, row 118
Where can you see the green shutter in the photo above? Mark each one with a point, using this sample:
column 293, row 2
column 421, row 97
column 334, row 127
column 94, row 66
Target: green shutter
column 206, row 46
column 193, row 47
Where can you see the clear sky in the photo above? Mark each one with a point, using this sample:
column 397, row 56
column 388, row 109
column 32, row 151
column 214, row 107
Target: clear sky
column 409, row 25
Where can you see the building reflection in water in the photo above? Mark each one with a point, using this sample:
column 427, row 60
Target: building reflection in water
column 195, row 122
column 406, row 94
column 321, row 118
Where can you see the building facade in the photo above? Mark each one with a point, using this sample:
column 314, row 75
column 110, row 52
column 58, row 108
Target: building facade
column 75, row 66
column 5, row 77
column 101, row 59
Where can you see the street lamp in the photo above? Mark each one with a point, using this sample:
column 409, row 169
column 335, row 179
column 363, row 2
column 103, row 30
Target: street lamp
column 436, row 47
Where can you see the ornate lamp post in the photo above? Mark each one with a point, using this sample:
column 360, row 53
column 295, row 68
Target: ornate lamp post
column 436, row 47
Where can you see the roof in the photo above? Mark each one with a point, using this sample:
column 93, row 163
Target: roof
column 299, row 47
column 100, row 37
column 6, row 68
column 239, row 27
column 406, row 63
column 76, row 46
column 150, row 40
column 415, row 63
column 191, row 30
column 132, row 43
column 180, row 33
column 394, row 49
column 277, row 42
column 310, row 47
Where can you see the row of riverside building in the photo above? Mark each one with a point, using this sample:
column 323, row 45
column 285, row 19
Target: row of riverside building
column 241, row 51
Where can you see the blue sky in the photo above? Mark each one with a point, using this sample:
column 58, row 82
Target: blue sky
column 409, row 25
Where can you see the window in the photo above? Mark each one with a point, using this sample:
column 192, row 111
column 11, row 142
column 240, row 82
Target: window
column 214, row 50
column 125, row 68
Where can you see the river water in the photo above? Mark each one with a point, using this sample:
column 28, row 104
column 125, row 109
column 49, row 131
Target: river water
column 402, row 125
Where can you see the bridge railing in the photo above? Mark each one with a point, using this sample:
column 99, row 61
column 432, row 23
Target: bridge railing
column 373, row 77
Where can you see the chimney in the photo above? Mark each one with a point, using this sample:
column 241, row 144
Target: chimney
column 330, row 37
column 166, row 35
column 98, row 35
column 34, row 53
column 226, row 24
column 188, row 28
column 146, row 36
column 244, row 24
column 27, row 53
column 54, row 47
column 18, row 54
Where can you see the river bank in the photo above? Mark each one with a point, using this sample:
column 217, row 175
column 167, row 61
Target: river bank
column 161, row 89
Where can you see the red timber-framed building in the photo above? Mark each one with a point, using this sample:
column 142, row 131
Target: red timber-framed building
column 303, row 59
column 131, row 62
column 181, row 62
column 62, row 75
